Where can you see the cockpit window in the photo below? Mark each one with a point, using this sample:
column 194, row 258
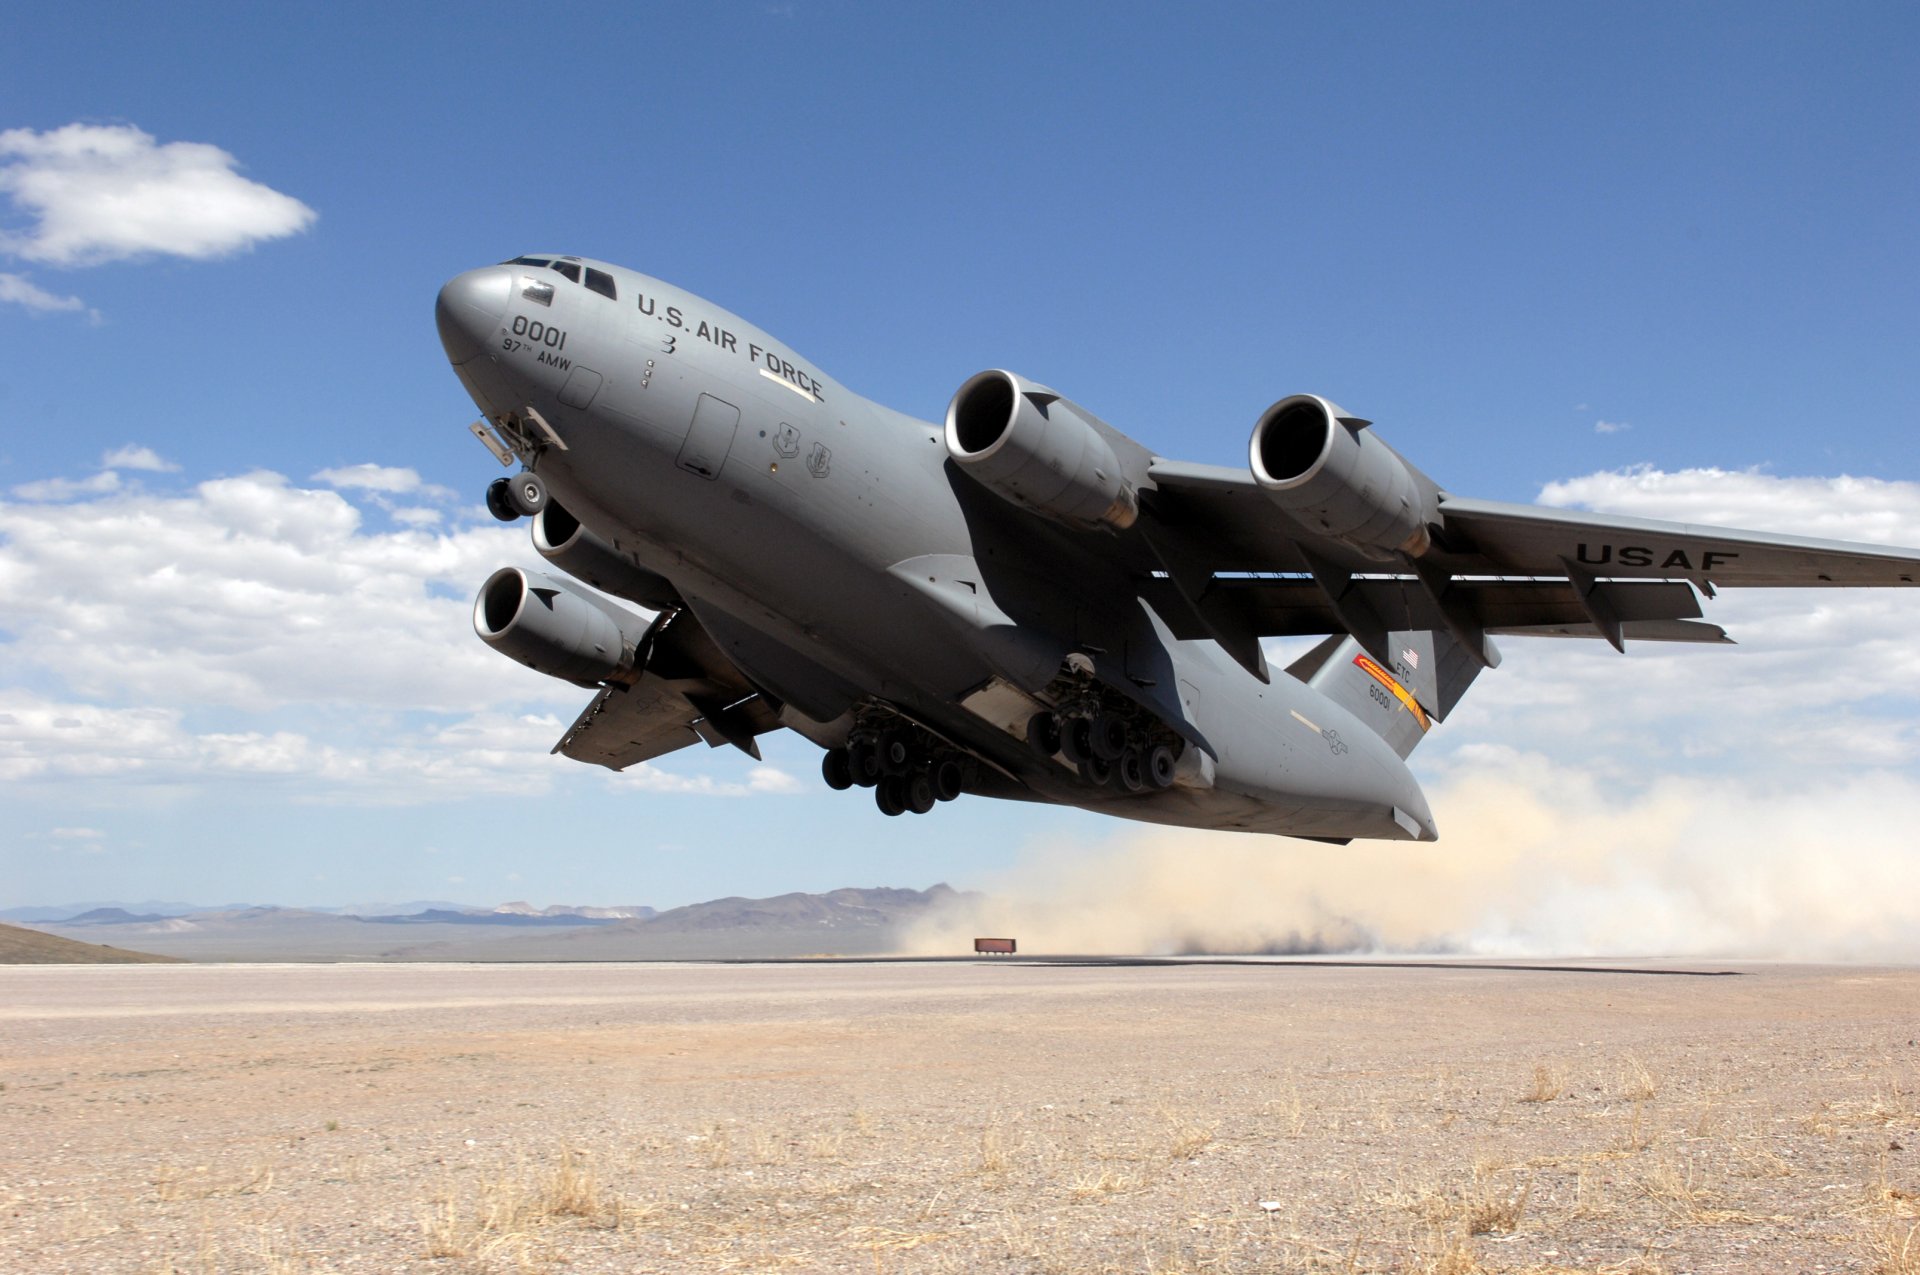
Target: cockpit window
column 536, row 290
column 568, row 269
column 601, row 282
column 530, row 261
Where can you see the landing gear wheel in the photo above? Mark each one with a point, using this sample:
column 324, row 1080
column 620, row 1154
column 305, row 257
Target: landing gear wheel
column 499, row 502
column 1107, row 736
column 1043, row 733
column 1131, row 773
column 949, row 779
column 1097, row 771
column 1160, row 766
column 920, row 793
column 1076, row 740
column 896, row 752
column 527, row 493
column 889, row 797
column 837, row 770
column 863, row 764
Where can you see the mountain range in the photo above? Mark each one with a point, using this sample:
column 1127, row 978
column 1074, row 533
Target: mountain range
column 838, row 922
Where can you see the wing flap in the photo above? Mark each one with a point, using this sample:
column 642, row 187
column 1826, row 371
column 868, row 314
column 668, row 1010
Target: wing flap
column 1295, row 607
column 626, row 725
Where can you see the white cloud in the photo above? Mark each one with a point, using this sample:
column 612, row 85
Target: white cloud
column 1610, row 427
column 136, row 457
column 391, row 479
column 100, row 193
column 23, row 292
column 760, row 781
column 253, row 631
column 250, row 593
column 67, row 488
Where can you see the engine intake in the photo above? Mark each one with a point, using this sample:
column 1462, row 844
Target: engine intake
column 1335, row 477
column 562, row 540
column 555, row 628
column 1031, row 447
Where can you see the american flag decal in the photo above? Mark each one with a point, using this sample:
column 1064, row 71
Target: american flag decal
column 1412, row 657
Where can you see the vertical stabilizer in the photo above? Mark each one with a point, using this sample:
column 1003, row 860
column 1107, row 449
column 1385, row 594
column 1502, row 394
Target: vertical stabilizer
column 1400, row 701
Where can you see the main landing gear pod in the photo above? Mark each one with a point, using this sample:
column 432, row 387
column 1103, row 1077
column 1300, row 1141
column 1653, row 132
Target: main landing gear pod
column 907, row 768
column 1105, row 748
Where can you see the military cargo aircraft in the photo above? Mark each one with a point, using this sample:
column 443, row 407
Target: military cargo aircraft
column 1020, row 602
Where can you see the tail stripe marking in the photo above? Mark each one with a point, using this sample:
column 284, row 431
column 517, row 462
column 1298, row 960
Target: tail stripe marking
column 1386, row 679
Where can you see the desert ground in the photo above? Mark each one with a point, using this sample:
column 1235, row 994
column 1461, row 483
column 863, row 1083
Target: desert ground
column 977, row 1116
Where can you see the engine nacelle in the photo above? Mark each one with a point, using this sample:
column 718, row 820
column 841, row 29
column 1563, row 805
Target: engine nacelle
column 1328, row 470
column 1038, row 450
column 562, row 540
column 555, row 628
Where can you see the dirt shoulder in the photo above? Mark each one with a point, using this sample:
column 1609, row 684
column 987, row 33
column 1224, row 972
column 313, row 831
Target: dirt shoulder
column 993, row 1116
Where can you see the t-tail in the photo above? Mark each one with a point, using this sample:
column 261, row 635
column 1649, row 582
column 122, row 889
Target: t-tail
column 1400, row 701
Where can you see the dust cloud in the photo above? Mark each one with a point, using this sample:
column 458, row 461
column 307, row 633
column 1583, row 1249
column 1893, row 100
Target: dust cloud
column 1534, row 859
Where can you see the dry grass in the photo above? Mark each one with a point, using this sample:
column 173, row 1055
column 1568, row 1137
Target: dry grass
column 1893, row 1247
column 1638, row 1135
column 1548, row 1083
column 996, row 1150
column 1187, row 1138
column 505, row 1217
column 1637, row 1081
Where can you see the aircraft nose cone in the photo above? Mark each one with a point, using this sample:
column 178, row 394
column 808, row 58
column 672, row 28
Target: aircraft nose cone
column 469, row 309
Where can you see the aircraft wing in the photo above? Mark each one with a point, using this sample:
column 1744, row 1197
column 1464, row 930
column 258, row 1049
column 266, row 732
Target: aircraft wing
column 1236, row 568
column 688, row 693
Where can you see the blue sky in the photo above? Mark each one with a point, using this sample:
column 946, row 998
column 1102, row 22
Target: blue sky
column 1606, row 247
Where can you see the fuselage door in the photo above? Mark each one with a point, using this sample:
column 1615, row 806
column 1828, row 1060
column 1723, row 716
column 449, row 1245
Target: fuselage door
column 582, row 384
column 709, row 438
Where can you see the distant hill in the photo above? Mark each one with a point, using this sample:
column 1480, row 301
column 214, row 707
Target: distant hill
column 850, row 922
column 848, row 909
column 31, row 947
column 61, row 911
column 111, row 916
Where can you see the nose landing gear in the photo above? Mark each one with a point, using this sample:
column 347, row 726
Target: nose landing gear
column 521, row 496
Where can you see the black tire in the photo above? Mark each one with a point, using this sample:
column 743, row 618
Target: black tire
column 499, row 503
column 1131, row 772
column 888, row 796
column 527, row 493
column 837, row 770
column 1043, row 734
column 949, row 779
column 863, row 761
column 1108, row 736
column 1097, row 771
column 1160, row 764
column 896, row 752
column 1076, row 740
column 920, row 793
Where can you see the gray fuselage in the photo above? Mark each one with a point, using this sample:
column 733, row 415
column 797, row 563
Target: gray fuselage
column 840, row 558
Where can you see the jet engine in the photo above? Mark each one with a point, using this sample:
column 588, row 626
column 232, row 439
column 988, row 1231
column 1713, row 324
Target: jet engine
column 563, row 541
column 1328, row 470
column 555, row 628
column 1038, row 450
